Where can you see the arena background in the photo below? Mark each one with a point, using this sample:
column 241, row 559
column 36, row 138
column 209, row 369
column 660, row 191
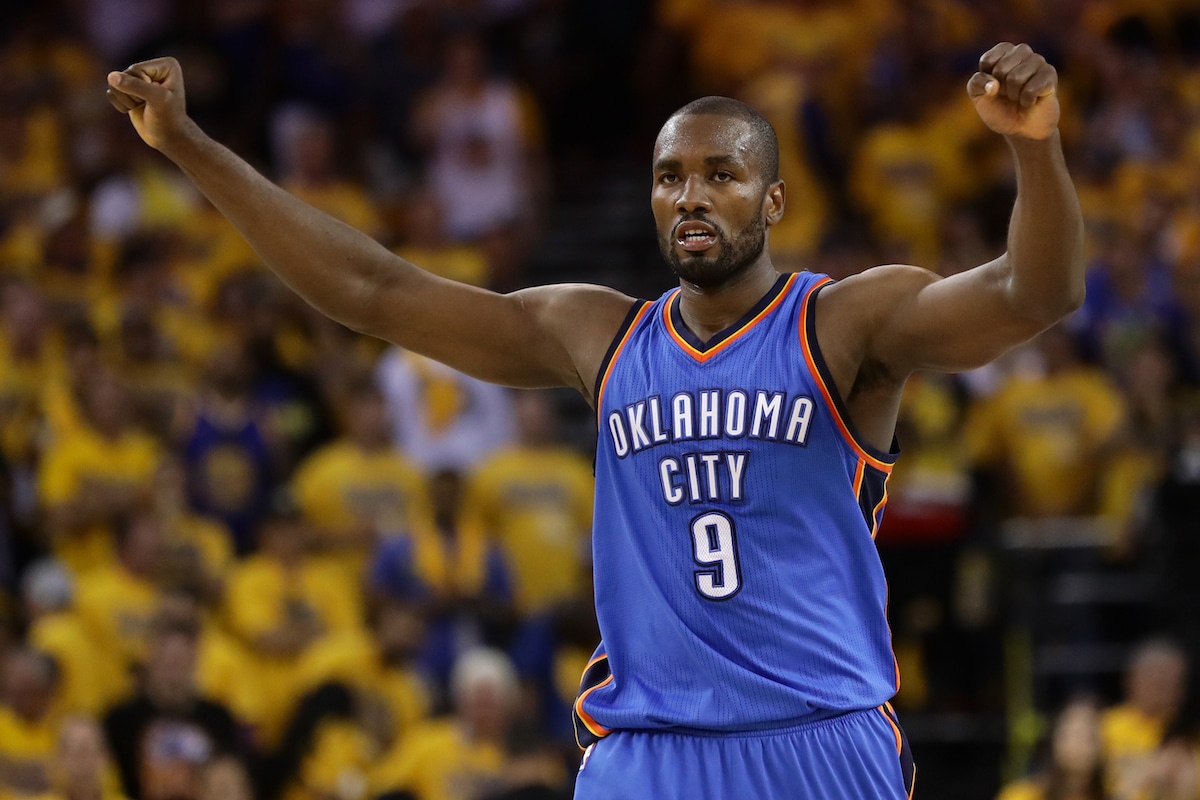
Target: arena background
column 247, row 548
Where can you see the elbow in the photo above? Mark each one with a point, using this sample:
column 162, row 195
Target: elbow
column 1049, row 311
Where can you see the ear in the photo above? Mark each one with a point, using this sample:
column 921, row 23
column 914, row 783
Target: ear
column 773, row 203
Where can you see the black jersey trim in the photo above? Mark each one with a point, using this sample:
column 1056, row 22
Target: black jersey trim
column 635, row 311
column 693, row 341
column 831, row 390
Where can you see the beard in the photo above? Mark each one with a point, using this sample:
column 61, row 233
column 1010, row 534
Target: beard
column 735, row 255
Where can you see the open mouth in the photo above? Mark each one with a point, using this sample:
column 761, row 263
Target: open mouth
column 695, row 236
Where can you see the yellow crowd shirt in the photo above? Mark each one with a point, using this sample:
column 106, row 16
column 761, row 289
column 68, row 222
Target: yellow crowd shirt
column 82, row 457
column 536, row 504
column 342, row 488
column 64, row 636
column 438, row 761
column 115, row 607
column 352, row 658
column 1050, row 434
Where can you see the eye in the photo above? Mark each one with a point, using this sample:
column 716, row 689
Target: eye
column 722, row 176
column 667, row 177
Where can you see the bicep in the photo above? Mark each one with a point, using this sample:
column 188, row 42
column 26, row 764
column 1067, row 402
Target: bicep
column 947, row 324
column 539, row 337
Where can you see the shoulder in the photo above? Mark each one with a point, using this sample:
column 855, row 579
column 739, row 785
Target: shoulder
column 597, row 304
column 584, row 318
column 877, row 290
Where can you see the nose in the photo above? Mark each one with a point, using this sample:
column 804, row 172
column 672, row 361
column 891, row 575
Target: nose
column 692, row 197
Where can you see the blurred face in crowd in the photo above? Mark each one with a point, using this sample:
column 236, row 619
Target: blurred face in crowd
column 24, row 317
column 1156, row 683
column 535, row 417
column 105, row 404
column 143, row 550
column 171, row 668
column 486, row 707
column 1076, row 743
column 29, row 684
column 400, row 632
column 81, row 755
column 284, row 538
column 368, row 423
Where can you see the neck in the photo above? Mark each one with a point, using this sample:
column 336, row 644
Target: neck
column 707, row 312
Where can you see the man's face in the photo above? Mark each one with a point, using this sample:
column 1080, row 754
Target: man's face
column 709, row 198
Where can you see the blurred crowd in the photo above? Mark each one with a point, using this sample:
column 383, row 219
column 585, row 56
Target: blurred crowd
column 246, row 553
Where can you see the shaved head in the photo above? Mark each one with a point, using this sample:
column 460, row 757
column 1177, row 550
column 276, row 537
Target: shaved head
column 765, row 144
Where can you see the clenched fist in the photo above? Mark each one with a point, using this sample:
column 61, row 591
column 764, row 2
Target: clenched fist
column 151, row 93
column 1015, row 92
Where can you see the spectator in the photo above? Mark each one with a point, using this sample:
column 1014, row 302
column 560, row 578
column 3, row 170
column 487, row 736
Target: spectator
column 27, row 726
column 1133, row 730
column 226, row 451
column 1075, row 768
column 166, row 734
column 94, row 474
column 534, row 499
column 359, row 490
column 82, row 768
column 461, row 757
column 1045, row 436
column 481, row 136
column 116, row 603
column 306, row 163
column 279, row 602
column 56, row 628
column 442, row 419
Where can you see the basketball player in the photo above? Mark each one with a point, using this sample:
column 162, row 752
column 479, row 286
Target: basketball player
column 746, row 422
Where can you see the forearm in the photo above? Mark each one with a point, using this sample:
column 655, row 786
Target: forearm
column 1045, row 235
column 334, row 267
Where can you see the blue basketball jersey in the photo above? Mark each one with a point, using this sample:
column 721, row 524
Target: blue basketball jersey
column 738, row 587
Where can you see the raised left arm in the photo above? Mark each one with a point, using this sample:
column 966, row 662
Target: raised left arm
column 917, row 320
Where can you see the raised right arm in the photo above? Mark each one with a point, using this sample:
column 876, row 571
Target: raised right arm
column 545, row 336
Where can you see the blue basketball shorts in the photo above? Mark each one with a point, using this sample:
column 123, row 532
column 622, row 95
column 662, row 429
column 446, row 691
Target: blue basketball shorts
column 862, row 755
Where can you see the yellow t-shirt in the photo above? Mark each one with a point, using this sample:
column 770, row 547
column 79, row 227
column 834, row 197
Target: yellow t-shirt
column 81, row 457
column 228, row 674
column 352, row 658
column 536, row 504
column 436, row 761
column 1022, row 790
column 336, row 765
column 27, row 747
column 259, row 598
column 203, row 542
column 22, row 382
column 115, row 608
column 64, row 636
column 1130, row 740
column 342, row 488
column 1050, row 435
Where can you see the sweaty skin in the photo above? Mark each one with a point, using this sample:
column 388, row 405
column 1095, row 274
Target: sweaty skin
column 874, row 328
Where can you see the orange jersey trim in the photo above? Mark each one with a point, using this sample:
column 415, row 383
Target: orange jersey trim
column 875, row 513
column 705, row 355
column 826, row 391
column 595, row 727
